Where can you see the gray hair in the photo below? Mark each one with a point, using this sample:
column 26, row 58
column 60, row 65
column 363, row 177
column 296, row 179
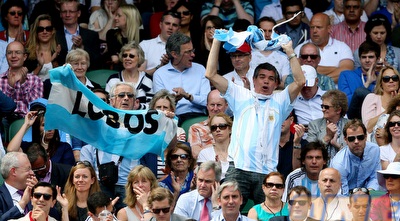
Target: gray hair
column 112, row 91
column 230, row 183
column 76, row 55
column 10, row 160
column 212, row 165
column 311, row 44
column 132, row 45
column 163, row 94
column 174, row 43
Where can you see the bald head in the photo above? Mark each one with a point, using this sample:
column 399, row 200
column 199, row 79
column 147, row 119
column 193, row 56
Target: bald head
column 319, row 29
column 215, row 103
column 329, row 181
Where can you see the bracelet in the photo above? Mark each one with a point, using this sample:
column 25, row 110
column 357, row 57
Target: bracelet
column 216, row 207
column 297, row 147
column 157, row 67
column 146, row 211
column 216, row 6
column 292, row 56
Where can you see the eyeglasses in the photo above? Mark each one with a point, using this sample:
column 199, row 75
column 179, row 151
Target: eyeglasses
column 292, row 13
column 16, row 52
column 130, row 55
column 39, row 169
column 164, row 210
column 220, row 126
column 69, row 12
column 326, row 107
column 277, row 185
column 300, row 202
column 359, row 189
column 13, row 13
column 182, row 156
column 85, row 162
column 306, row 56
column 185, row 13
column 47, row 28
column 39, row 195
column 189, row 51
column 394, row 78
column 395, row 123
column 358, row 137
column 210, row 28
column 393, row 176
column 123, row 94
column 239, row 56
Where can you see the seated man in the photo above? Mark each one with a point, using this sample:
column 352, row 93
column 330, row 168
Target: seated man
column 43, row 198
column 358, row 161
column 100, row 206
column 228, row 11
column 17, row 84
column 313, row 158
column 200, row 136
column 329, row 206
column 229, row 199
column 299, row 205
column 336, row 56
column 183, row 77
column 359, row 204
column 198, row 203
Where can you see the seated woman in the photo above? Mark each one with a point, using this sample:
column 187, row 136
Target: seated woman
column 82, row 182
column 390, row 152
column 58, row 151
column 379, row 134
column 328, row 129
column 221, row 129
column 189, row 21
column 127, row 23
column 132, row 57
column 12, row 18
column 273, row 187
column 179, row 160
column 42, row 48
column 140, row 182
column 80, row 62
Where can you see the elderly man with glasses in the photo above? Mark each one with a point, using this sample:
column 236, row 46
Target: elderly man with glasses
column 358, row 161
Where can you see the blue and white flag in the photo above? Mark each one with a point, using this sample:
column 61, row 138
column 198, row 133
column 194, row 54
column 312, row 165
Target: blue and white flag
column 76, row 110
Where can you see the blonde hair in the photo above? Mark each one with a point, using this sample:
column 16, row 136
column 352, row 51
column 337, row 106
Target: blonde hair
column 77, row 55
column 133, row 22
column 33, row 40
column 138, row 172
column 70, row 190
column 378, row 87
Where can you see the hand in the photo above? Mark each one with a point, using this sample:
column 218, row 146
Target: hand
column 62, row 198
column 39, row 56
column 371, row 75
column 56, row 53
column 169, row 114
column 175, row 183
column 20, row 34
column 331, row 129
column 179, row 93
column 38, row 214
column 299, row 132
column 77, row 42
column 164, row 59
column 214, row 195
column 30, row 118
column 114, row 201
column 193, row 183
column 141, row 195
column 246, row 82
column 218, row 2
column 394, row 93
column 288, row 48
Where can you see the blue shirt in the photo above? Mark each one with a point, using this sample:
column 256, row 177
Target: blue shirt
column 356, row 171
column 190, row 205
column 228, row 17
column 350, row 80
column 192, row 80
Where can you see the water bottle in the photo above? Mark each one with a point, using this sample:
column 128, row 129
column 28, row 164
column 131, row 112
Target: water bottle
column 103, row 215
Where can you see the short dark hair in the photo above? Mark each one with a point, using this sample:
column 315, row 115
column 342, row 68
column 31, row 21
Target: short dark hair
column 299, row 190
column 274, row 174
column 368, row 46
column 35, row 151
column 354, row 124
column 96, row 200
column 174, row 43
column 338, row 100
column 46, row 184
column 287, row 3
column 389, row 137
column 241, row 25
column 172, row 13
column 267, row 19
column 314, row 146
column 184, row 146
column 378, row 20
column 9, row 4
column 269, row 67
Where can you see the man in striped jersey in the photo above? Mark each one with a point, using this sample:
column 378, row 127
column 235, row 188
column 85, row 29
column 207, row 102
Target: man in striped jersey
column 313, row 158
column 258, row 115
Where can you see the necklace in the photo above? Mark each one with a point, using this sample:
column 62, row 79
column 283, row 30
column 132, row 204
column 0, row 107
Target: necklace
column 280, row 211
column 138, row 210
column 326, row 207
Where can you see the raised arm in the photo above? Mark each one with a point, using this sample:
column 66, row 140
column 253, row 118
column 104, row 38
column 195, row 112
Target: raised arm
column 298, row 76
column 217, row 80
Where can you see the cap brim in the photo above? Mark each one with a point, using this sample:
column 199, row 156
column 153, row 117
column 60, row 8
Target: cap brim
column 310, row 82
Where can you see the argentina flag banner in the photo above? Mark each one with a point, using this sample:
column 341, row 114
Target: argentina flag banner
column 76, row 110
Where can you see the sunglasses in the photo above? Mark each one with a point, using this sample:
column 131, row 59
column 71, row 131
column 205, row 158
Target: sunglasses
column 85, row 162
column 277, row 185
column 182, row 156
column 164, row 210
column 130, row 55
column 39, row 195
column 300, row 202
column 47, row 28
column 221, row 127
column 123, row 94
column 324, row 106
column 238, row 56
column 186, row 13
column 13, row 13
column 358, row 137
column 359, row 189
column 387, row 176
column 306, row 56
column 394, row 78
column 39, row 169
column 392, row 124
